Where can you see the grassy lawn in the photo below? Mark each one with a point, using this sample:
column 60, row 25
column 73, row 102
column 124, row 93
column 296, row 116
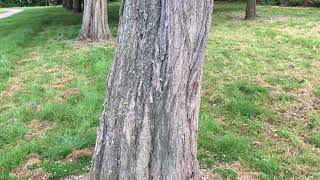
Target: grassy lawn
column 260, row 96
column 2, row 10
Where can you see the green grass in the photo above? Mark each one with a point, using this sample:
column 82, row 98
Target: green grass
column 315, row 139
column 39, row 53
column 226, row 174
column 256, row 75
column 2, row 10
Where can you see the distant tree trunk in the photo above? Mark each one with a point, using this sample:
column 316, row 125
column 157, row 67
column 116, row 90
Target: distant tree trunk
column 64, row 3
column 149, row 124
column 251, row 10
column 77, row 6
column 95, row 21
column 68, row 4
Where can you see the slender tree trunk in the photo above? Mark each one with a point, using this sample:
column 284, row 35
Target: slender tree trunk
column 64, row 3
column 149, row 124
column 95, row 21
column 251, row 10
column 68, row 4
column 77, row 6
column 81, row 5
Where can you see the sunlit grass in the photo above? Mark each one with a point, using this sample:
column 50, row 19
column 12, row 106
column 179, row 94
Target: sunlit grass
column 260, row 93
column 2, row 10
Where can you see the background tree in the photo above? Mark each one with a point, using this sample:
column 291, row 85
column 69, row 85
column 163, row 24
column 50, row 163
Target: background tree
column 149, row 124
column 251, row 10
column 77, row 6
column 95, row 21
column 68, row 4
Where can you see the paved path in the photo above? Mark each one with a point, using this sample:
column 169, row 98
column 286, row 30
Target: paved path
column 9, row 12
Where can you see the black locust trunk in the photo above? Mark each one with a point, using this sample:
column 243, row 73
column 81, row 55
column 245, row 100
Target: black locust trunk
column 148, row 128
column 95, row 21
column 251, row 10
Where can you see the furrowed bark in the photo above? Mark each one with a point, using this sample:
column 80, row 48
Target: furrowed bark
column 149, row 124
column 95, row 21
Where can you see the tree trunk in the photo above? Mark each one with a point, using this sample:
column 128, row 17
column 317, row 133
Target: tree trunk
column 149, row 124
column 68, row 4
column 251, row 10
column 77, row 6
column 64, row 3
column 95, row 21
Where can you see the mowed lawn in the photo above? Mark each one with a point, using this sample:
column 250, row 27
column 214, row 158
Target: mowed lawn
column 2, row 10
column 260, row 114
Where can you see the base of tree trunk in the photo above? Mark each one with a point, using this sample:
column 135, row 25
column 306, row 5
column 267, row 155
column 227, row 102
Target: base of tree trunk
column 77, row 6
column 251, row 10
column 250, row 18
column 95, row 25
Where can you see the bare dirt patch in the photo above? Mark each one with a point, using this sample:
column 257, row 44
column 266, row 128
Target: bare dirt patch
column 61, row 77
column 12, row 89
column 76, row 154
column 278, row 18
column 291, row 31
column 64, row 74
column 26, row 172
column 37, row 174
column 61, row 74
column 38, row 128
column 305, row 105
column 88, row 44
column 207, row 175
column 67, row 93
column 315, row 30
column 312, row 32
column 80, row 177
column 61, row 83
column 241, row 170
column 20, row 173
column 40, row 174
column 32, row 160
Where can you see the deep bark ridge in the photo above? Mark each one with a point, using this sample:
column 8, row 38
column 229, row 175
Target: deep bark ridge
column 148, row 127
column 95, row 24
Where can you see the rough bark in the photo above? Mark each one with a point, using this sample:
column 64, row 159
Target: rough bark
column 251, row 10
column 95, row 21
column 77, row 6
column 149, row 124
